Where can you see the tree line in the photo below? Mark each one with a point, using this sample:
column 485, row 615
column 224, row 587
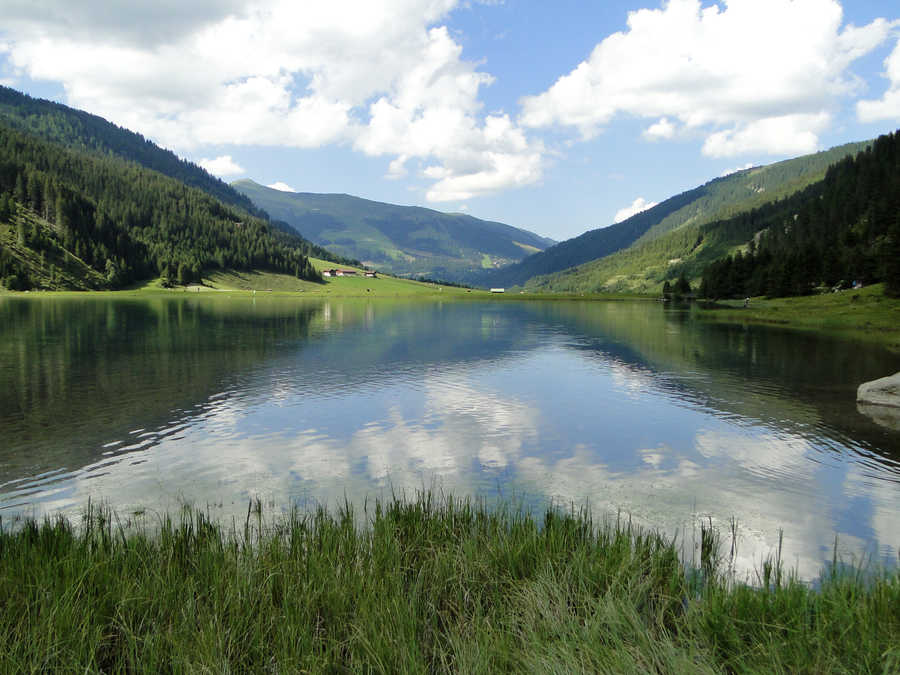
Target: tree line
column 81, row 130
column 840, row 231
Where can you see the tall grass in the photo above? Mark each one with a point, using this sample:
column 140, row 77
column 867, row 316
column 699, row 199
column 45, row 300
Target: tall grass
column 428, row 584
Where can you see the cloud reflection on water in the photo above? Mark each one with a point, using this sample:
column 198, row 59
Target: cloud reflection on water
column 481, row 400
column 671, row 492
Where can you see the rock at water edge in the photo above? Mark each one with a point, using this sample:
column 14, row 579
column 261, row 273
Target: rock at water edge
column 885, row 391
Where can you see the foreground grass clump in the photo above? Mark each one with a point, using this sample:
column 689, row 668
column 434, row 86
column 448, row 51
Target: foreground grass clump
column 427, row 585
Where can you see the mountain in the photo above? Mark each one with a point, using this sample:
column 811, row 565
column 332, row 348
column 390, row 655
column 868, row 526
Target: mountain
column 406, row 240
column 86, row 204
column 843, row 229
column 84, row 219
column 643, row 264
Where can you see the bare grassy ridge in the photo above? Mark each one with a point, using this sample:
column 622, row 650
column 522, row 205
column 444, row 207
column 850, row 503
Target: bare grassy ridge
column 433, row 584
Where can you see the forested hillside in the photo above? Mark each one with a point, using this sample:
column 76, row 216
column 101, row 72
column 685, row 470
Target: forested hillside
column 402, row 239
column 686, row 240
column 80, row 130
column 61, row 208
column 844, row 229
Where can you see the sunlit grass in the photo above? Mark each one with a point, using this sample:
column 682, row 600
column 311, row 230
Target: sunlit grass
column 865, row 314
column 430, row 584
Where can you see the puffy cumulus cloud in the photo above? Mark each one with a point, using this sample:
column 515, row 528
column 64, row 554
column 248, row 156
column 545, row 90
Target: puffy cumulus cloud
column 888, row 107
column 434, row 114
column 283, row 187
column 638, row 205
column 753, row 75
column 785, row 135
column 222, row 166
column 381, row 77
column 663, row 129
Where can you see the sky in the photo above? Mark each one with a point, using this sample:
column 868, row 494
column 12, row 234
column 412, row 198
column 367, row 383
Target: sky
column 557, row 117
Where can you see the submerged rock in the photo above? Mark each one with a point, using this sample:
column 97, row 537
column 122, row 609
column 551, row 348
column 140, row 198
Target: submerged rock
column 885, row 391
column 884, row 415
column 880, row 401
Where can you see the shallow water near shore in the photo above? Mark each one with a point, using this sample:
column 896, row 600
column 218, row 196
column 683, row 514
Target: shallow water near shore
column 634, row 409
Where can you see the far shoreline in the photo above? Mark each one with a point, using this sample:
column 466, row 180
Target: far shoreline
column 865, row 315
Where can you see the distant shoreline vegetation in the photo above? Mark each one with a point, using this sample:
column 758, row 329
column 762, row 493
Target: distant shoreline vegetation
column 432, row 584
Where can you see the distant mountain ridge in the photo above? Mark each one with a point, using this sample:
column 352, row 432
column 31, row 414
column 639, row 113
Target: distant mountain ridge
column 409, row 240
column 588, row 246
column 717, row 199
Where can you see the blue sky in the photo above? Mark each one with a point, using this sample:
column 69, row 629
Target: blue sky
column 556, row 117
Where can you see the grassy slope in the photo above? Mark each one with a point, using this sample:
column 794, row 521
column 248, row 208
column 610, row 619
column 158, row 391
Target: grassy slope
column 866, row 314
column 403, row 239
column 54, row 268
column 641, row 268
column 383, row 285
column 669, row 247
column 423, row 586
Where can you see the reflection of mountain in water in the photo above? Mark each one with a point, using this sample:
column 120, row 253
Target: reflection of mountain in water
column 378, row 341
column 79, row 373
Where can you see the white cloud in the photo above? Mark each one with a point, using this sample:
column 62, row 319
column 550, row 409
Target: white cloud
column 222, row 166
column 434, row 115
column 638, row 205
column 752, row 75
column 284, row 187
column 785, row 135
column 381, row 77
column 888, row 107
column 663, row 129
column 728, row 172
column 397, row 168
column 121, row 20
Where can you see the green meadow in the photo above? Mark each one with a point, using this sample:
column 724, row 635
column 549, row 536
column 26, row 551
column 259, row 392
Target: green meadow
column 866, row 314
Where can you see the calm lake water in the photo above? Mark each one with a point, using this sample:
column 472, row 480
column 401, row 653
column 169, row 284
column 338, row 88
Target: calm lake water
column 631, row 408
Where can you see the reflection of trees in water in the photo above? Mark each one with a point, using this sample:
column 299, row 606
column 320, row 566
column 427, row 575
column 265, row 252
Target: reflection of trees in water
column 795, row 381
column 77, row 373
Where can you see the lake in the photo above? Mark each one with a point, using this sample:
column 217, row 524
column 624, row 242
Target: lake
column 635, row 409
